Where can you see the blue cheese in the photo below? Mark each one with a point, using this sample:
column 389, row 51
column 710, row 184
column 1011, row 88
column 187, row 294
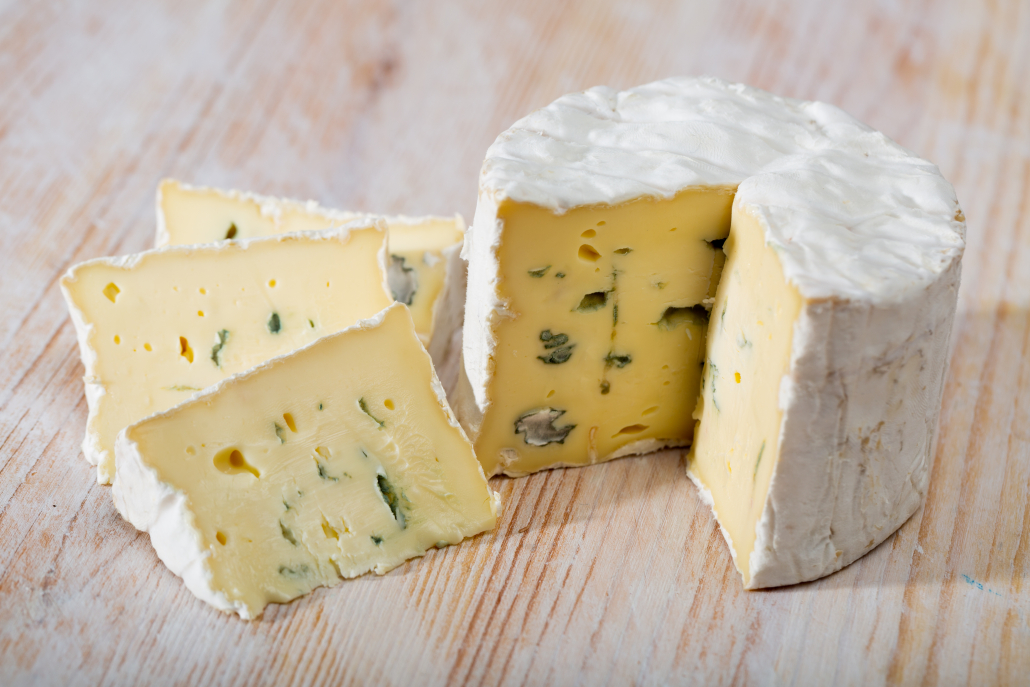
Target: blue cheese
column 425, row 272
column 335, row 460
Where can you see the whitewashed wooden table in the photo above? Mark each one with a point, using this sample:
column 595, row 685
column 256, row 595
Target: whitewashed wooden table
column 613, row 574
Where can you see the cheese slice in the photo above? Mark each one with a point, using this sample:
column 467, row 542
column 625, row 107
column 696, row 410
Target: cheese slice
column 748, row 353
column 157, row 327
column 337, row 459
column 425, row 272
column 601, row 319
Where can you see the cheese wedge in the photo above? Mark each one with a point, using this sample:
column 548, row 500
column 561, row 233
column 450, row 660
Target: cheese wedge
column 426, row 272
column 601, row 318
column 157, row 327
column 337, row 459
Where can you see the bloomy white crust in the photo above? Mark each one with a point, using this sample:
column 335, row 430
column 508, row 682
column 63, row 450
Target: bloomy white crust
column 91, row 448
column 861, row 404
column 871, row 235
column 484, row 308
column 154, row 506
column 449, row 308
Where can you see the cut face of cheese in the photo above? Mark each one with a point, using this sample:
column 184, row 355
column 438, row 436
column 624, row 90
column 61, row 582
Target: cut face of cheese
column 599, row 309
column 332, row 461
column 157, row 327
column 601, row 352
column 427, row 274
column 425, row 270
column 736, row 443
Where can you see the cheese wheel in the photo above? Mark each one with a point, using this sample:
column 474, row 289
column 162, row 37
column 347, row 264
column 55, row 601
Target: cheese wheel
column 699, row 263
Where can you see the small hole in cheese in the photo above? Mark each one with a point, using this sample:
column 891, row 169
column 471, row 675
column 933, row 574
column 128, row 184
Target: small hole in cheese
column 736, row 375
column 117, row 339
column 588, row 253
column 231, row 462
column 271, row 283
column 589, row 234
column 220, row 536
column 147, row 347
column 111, row 291
column 601, row 223
column 203, row 291
column 190, row 451
column 630, row 429
column 200, row 313
column 650, row 410
column 329, row 531
column 389, row 404
column 593, row 301
column 550, row 393
column 184, row 349
column 673, row 229
column 288, row 418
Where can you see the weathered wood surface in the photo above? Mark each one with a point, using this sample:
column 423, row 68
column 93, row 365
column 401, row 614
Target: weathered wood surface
column 613, row 574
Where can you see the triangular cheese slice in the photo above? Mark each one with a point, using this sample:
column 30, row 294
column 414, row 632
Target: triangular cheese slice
column 426, row 270
column 337, row 459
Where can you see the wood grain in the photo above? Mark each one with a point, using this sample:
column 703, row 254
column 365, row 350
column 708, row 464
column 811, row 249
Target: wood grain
column 613, row 574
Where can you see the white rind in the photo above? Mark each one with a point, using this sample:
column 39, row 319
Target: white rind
column 861, row 405
column 871, row 236
column 826, row 180
column 94, row 388
column 449, row 308
column 463, row 400
column 483, row 306
column 154, row 506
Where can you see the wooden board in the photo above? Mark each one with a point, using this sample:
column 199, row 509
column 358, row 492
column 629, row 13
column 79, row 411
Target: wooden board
column 613, row 574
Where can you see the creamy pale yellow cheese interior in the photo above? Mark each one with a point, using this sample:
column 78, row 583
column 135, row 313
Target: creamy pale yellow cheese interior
column 181, row 319
column 607, row 341
column 418, row 265
column 605, row 344
column 331, row 462
column 736, row 443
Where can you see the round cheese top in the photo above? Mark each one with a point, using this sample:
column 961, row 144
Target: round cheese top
column 851, row 214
